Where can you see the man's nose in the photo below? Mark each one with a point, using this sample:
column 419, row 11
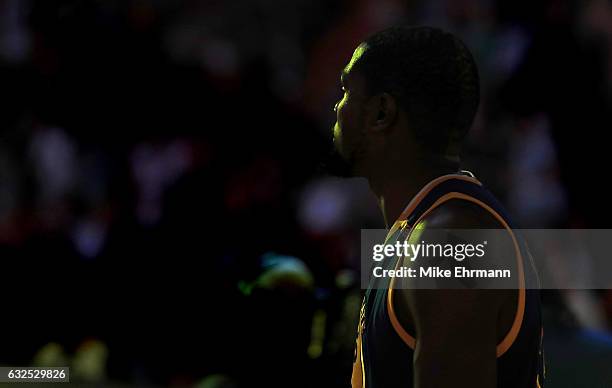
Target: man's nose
column 336, row 106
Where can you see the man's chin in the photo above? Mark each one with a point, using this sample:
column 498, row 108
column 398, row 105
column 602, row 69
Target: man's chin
column 335, row 164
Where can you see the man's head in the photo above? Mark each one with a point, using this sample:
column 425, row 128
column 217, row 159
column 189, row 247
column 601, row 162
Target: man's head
column 405, row 90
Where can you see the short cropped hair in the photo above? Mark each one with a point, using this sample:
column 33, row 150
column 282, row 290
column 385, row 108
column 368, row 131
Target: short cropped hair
column 433, row 76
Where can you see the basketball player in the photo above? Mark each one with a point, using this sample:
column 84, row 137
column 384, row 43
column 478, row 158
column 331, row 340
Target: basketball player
column 409, row 98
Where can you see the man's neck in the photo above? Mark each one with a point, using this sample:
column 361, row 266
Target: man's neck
column 394, row 193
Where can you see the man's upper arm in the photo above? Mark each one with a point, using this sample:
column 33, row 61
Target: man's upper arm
column 455, row 337
column 455, row 329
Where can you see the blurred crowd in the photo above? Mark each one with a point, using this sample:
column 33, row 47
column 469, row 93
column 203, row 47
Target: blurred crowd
column 163, row 215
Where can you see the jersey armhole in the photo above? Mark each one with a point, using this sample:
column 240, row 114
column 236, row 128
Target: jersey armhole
column 510, row 337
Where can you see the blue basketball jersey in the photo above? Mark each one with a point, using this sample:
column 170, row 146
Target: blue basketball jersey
column 384, row 348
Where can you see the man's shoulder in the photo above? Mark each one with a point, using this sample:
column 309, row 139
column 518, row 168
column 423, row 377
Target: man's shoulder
column 457, row 214
column 461, row 214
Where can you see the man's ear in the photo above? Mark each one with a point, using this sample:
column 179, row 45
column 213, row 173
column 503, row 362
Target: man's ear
column 383, row 112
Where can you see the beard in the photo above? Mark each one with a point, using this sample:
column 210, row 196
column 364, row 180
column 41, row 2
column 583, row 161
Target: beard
column 337, row 165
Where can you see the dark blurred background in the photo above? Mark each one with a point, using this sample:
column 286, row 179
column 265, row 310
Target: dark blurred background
column 163, row 220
